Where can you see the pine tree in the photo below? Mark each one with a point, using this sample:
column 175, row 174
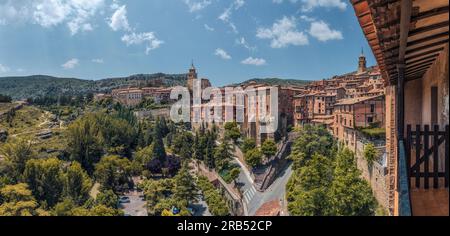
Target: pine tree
column 159, row 151
column 349, row 194
column 77, row 183
column 185, row 189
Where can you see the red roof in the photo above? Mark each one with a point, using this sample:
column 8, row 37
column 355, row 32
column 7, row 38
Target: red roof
column 272, row 208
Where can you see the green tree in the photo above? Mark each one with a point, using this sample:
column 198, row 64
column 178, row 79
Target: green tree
column 45, row 179
column 182, row 145
column 222, row 155
column 17, row 200
column 84, row 142
column 326, row 182
column 215, row 201
column 308, row 188
column 154, row 192
column 209, row 151
column 370, row 153
column 185, row 189
column 248, row 144
column 118, row 135
column 113, row 172
column 64, row 208
column 97, row 210
column 232, row 131
column 142, row 159
column 269, row 148
column 312, row 140
column 159, row 151
column 253, row 157
column 107, row 198
column 76, row 183
column 234, row 174
column 198, row 147
column 297, row 159
column 349, row 194
column 16, row 153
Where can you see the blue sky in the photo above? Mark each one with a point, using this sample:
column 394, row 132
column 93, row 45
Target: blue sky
column 229, row 40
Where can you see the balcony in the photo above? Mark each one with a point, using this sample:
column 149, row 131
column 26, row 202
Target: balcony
column 424, row 171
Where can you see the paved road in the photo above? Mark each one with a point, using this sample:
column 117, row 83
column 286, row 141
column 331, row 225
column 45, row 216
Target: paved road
column 254, row 199
column 276, row 191
column 136, row 206
column 201, row 208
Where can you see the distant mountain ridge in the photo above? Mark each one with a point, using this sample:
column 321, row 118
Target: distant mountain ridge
column 22, row 87
column 277, row 81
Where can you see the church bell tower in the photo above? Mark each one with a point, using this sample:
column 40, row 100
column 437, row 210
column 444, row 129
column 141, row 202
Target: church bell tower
column 362, row 64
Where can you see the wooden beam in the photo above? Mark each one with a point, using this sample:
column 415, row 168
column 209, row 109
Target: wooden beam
column 430, row 13
column 410, row 65
column 416, row 61
column 429, row 38
column 423, row 58
column 421, row 40
column 417, row 67
column 429, row 28
column 424, row 69
column 405, row 21
column 428, row 46
column 414, row 77
column 425, row 53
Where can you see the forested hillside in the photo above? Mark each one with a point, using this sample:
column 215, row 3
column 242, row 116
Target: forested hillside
column 40, row 85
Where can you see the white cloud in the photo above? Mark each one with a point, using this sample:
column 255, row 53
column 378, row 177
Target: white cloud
column 307, row 18
column 119, row 20
column 254, row 61
column 226, row 14
column 14, row 12
column 98, row 60
column 51, row 13
column 70, row 64
column 222, row 54
column 238, row 4
column 83, row 11
column 243, row 42
column 3, row 69
column 321, row 31
column 283, row 33
column 209, row 28
column 281, row 1
column 76, row 14
column 309, row 5
column 197, row 5
column 114, row 5
column 152, row 42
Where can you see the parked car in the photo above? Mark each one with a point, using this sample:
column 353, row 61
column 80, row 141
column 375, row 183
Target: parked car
column 124, row 199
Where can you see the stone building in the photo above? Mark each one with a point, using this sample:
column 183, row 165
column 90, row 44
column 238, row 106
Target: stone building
column 355, row 113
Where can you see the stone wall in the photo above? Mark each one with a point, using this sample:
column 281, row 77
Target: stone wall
column 436, row 76
column 377, row 173
column 391, row 148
